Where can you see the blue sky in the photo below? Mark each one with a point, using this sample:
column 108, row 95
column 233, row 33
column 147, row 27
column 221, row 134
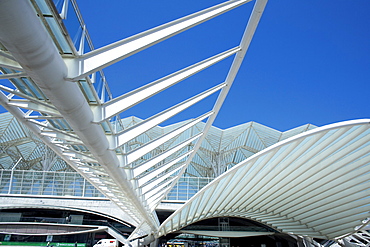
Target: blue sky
column 309, row 61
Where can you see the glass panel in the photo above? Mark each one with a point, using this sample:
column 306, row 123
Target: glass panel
column 88, row 92
column 46, row 183
column 105, row 127
column 35, row 90
column 58, row 35
column 43, row 7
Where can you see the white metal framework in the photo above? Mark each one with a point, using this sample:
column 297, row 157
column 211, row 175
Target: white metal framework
column 52, row 93
column 24, row 155
column 313, row 184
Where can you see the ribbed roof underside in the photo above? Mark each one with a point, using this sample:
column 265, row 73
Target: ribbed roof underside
column 315, row 184
column 221, row 150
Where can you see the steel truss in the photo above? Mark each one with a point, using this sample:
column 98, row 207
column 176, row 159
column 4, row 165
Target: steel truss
column 54, row 97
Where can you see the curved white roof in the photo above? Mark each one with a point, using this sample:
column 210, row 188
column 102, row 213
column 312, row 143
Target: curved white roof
column 315, row 184
column 312, row 184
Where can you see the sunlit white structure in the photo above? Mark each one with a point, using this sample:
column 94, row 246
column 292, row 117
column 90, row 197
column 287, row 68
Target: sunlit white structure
column 313, row 184
column 53, row 90
column 22, row 151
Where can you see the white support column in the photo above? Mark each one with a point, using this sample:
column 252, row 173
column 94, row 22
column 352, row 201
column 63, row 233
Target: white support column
column 81, row 48
column 154, row 243
column 64, row 12
column 11, row 176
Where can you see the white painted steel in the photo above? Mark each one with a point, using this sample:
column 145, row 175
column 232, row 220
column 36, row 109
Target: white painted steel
column 156, row 191
column 78, row 126
column 151, row 122
column 244, row 45
column 227, row 234
column 29, row 105
column 9, row 63
column 124, row 102
column 152, row 162
column 139, row 152
column 32, row 47
column 152, row 174
column 62, row 136
column 150, row 185
column 13, row 75
column 105, row 56
column 315, row 184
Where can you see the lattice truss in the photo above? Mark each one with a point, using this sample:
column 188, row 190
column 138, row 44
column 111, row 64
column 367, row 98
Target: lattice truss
column 22, row 150
column 230, row 146
column 223, row 149
column 52, row 91
column 360, row 238
column 220, row 150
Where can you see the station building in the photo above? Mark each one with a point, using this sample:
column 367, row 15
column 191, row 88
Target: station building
column 74, row 169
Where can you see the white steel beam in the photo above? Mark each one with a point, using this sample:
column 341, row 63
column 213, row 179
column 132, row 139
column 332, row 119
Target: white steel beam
column 62, row 136
column 12, row 75
column 157, row 190
column 13, row 93
column 124, row 102
column 152, row 162
column 31, row 105
column 155, row 120
column 6, row 62
column 34, row 51
column 239, row 57
column 80, row 156
column 152, row 174
column 43, row 63
column 144, row 149
column 150, row 185
column 110, row 54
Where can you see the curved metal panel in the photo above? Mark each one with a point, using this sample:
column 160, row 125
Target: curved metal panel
column 315, row 183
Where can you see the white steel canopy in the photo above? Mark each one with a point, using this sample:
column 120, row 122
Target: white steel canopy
column 314, row 184
column 53, row 94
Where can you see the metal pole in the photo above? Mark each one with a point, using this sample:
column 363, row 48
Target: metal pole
column 11, row 175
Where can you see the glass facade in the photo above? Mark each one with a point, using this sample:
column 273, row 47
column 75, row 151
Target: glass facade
column 46, row 183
